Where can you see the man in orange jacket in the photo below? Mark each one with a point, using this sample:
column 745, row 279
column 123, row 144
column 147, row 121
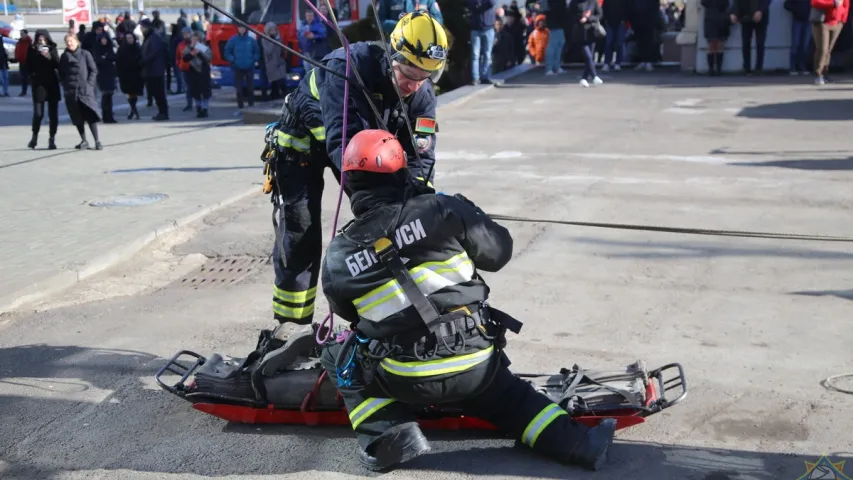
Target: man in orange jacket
column 21, row 50
column 184, row 67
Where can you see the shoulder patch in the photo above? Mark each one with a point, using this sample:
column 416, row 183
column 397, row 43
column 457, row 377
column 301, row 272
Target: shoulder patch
column 426, row 125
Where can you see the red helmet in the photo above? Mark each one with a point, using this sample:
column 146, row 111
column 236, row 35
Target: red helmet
column 375, row 151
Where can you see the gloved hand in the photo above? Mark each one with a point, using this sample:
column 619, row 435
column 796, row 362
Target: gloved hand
column 469, row 202
column 421, row 188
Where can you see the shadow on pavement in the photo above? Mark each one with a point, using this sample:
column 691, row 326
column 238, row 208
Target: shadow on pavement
column 726, row 151
column 23, row 117
column 843, row 294
column 826, row 164
column 184, row 169
column 840, row 109
column 110, row 142
column 672, row 250
column 77, row 409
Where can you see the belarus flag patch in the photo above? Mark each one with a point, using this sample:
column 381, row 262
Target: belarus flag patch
column 425, row 125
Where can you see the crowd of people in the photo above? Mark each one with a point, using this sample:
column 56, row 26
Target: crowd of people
column 817, row 21
column 137, row 56
column 548, row 32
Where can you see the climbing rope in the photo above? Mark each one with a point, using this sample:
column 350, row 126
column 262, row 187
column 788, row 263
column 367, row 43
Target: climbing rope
column 689, row 231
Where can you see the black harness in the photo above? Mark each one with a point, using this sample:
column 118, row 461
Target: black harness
column 454, row 325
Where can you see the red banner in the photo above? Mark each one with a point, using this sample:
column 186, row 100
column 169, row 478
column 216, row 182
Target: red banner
column 78, row 10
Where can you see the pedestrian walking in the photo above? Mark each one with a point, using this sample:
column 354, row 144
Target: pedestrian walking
column 79, row 73
column 43, row 67
column 198, row 55
column 182, row 68
column 21, row 49
column 242, row 52
column 4, row 70
column 275, row 61
column 154, row 67
column 129, row 67
column 105, row 59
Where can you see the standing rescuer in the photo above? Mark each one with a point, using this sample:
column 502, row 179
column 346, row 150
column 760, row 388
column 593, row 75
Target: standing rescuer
column 404, row 274
column 308, row 138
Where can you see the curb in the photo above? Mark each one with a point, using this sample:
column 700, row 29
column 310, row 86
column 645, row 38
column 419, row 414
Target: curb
column 266, row 115
column 118, row 255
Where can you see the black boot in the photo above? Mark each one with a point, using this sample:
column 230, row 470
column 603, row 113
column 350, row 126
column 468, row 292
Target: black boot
column 107, row 107
column 719, row 60
column 711, row 65
column 33, row 141
column 593, row 450
column 51, row 143
column 399, row 444
column 133, row 110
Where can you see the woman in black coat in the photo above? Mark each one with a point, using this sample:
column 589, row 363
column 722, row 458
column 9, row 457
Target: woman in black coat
column 79, row 73
column 105, row 59
column 43, row 64
column 130, row 72
column 717, row 26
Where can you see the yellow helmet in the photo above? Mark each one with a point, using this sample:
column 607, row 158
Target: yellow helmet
column 421, row 41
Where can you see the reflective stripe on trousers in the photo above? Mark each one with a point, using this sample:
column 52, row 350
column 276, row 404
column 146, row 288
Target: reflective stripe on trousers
column 293, row 305
column 367, row 408
column 300, row 144
column 430, row 277
column 443, row 366
column 540, row 422
column 319, row 133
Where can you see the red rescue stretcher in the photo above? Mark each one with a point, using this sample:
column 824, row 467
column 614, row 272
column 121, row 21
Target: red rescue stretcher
column 298, row 392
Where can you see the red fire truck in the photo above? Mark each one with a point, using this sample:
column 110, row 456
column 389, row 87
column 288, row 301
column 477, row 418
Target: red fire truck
column 287, row 14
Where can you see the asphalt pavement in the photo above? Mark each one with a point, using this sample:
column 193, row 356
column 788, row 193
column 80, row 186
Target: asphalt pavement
column 758, row 324
column 59, row 207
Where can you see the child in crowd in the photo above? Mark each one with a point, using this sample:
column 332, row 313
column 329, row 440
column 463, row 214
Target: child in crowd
column 537, row 42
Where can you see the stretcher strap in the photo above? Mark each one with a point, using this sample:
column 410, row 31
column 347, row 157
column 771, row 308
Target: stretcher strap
column 569, row 391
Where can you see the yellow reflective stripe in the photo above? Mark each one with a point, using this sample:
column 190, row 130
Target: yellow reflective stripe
column 319, row 133
column 367, row 408
column 312, row 81
column 437, row 367
column 430, row 277
column 293, row 312
column 429, row 184
column 294, row 297
column 540, row 422
column 289, row 141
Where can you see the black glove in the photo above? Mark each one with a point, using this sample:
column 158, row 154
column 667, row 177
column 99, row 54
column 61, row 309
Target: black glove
column 469, row 202
column 421, row 188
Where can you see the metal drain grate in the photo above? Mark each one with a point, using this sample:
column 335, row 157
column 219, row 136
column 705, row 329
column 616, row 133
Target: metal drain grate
column 224, row 271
